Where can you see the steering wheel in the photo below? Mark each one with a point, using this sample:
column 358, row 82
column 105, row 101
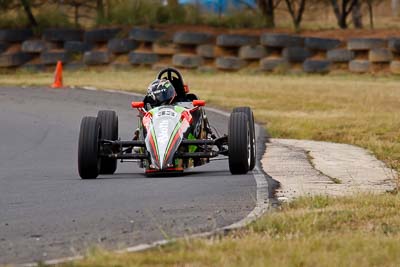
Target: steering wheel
column 169, row 73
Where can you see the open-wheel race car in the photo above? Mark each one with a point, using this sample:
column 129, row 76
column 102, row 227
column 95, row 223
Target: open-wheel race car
column 169, row 138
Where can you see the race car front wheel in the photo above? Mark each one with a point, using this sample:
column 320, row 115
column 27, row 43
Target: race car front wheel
column 253, row 144
column 109, row 130
column 239, row 145
column 88, row 148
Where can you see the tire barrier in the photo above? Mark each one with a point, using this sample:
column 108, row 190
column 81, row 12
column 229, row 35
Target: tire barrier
column 143, row 58
column 96, row 57
column 206, row 51
column 75, row 47
column 14, row 59
column 316, row 66
column 195, row 50
column 62, row 35
column 359, row 44
column 272, row 64
column 380, row 55
column 394, row 45
column 74, row 66
column 229, row 63
column 52, row 57
column 100, row 35
column 120, row 46
column 340, row 55
column 281, row 40
column 192, row 38
column 321, row 44
column 145, row 35
column 359, row 66
column 15, row 35
column 3, row 47
column 34, row 67
column 395, row 67
column 164, row 49
column 187, row 61
column 295, row 54
column 251, row 52
column 236, row 40
column 36, row 46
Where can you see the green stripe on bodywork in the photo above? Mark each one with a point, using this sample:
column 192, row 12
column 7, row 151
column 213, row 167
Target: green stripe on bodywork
column 155, row 140
column 192, row 148
column 177, row 126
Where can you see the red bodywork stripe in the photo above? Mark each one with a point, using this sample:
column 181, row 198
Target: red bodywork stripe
column 169, row 169
column 153, row 146
column 173, row 143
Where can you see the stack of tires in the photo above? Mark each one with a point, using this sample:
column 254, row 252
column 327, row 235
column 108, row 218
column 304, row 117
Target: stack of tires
column 94, row 129
column 241, row 141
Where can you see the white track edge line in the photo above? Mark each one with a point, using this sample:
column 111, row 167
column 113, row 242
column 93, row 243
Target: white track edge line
column 262, row 201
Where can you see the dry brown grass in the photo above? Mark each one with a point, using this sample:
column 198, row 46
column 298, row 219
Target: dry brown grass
column 356, row 231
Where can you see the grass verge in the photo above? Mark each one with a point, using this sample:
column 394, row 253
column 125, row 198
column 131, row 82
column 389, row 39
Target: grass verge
column 362, row 230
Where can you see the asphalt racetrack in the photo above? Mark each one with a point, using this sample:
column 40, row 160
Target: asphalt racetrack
column 47, row 211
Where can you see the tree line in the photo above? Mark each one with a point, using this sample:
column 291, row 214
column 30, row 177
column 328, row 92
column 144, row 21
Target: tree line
column 345, row 11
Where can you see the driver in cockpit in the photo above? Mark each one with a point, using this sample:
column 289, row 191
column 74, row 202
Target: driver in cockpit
column 160, row 92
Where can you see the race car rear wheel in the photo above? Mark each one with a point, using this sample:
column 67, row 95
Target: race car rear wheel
column 253, row 144
column 88, row 148
column 239, row 143
column 109, row 130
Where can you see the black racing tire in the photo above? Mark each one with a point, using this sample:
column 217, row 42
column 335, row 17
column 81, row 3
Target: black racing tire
column 187, row 61
column 360, row 44
column 380, row 55
column 143, row 58
column 281, row 40
column 96, row 57
column 121, row 46
column 239, row 143
column 253, row 143
column 36, row 46
column 321, row 44
column 15, row 59
column 317, row 66
column 62, row 35
column 296, row 54
column 395, row 67
column 236, row 40
column 252, row 52
column 192, row 38
column 100, row 35
column 359, row 66
column 52, row 57
column 229, row 63
column 88, row 148
column 109, row 130
column 145, row 35
column 394, row 44
column 340, row 55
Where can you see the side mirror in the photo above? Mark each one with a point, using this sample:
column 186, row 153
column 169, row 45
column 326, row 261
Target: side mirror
column 137, row 104
column 199, row 103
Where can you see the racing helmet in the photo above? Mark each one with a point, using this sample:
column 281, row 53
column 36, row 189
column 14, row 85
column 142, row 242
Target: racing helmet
column 161, row 91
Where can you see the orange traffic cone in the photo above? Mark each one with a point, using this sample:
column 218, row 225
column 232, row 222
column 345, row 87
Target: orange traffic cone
column 58, row 80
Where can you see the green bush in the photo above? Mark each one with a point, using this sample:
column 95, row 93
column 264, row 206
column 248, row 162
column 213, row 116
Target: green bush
column 52, row 18
column 132, row 12
column 17, row 20
column 236, row 19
